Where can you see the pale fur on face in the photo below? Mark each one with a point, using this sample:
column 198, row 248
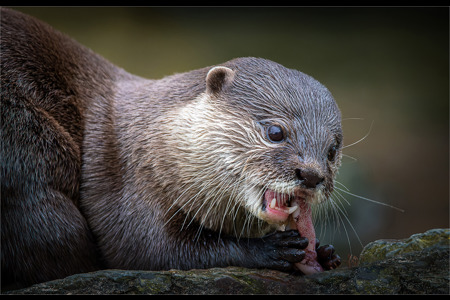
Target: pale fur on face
column 221, row 172
column 223, row 159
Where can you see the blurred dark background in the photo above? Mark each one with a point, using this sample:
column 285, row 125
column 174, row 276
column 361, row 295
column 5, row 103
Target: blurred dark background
column 388, row 69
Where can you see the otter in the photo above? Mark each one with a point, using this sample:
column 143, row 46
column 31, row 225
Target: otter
column 100, row 168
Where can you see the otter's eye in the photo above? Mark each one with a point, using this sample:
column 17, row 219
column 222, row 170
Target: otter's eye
column 275, row 133
column 332, row 153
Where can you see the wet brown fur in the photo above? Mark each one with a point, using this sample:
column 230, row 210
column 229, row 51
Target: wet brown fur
column 99, row 169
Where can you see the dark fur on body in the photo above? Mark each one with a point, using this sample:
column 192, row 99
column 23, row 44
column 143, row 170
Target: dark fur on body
column 101, row 168
column 47, row 81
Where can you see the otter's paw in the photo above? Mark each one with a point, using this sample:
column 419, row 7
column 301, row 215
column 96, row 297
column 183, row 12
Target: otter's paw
column 326, row 257
column 283, row 249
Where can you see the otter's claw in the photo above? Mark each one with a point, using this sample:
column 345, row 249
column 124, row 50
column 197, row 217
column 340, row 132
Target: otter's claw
column 284, row 249
column 326, row 257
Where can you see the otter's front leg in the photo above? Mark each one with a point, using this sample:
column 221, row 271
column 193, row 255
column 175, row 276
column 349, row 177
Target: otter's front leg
column 278, row 251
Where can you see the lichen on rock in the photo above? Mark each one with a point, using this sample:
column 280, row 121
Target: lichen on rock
column 385, row 249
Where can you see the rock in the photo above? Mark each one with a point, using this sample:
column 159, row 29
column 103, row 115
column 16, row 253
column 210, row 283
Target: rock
column 385, row 249
column 417, row 265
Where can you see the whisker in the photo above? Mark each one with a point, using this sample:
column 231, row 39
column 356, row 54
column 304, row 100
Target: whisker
column 338, row 216
column 360, row 140
column 340, row 183
column 213, row 196
column 345, row 215
column 361, row 119
column 340, row 196
column 370, row 200
column 179, row 209
column 351, row 157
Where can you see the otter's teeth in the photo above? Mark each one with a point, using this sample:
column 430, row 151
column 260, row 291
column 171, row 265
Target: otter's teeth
column 292, row 209
column 273, row 203
column 288, row 210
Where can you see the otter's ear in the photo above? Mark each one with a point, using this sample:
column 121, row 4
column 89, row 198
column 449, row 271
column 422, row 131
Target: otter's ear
column 217, row 78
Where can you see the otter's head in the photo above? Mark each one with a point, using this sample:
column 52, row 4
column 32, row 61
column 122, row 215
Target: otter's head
column 259, row 132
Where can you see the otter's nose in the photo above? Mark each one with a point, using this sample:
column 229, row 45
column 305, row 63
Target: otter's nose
column 308, row 177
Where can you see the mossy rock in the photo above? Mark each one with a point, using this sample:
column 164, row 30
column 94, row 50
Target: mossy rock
column 416, row 265
column 385, row 249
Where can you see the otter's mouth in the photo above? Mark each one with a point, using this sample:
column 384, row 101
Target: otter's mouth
column 277, row 207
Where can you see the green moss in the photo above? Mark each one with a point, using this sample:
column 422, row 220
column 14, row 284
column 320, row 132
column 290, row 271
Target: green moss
column 155, row 285
column 384, row 249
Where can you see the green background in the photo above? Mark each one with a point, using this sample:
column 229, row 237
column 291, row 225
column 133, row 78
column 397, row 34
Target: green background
column 388, row 69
